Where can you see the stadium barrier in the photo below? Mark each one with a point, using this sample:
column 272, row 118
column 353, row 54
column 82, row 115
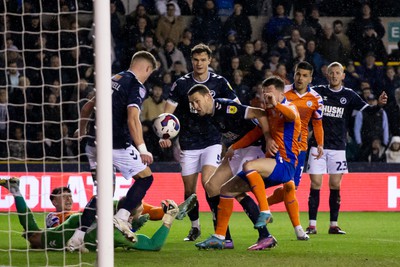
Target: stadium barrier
column 360, row 191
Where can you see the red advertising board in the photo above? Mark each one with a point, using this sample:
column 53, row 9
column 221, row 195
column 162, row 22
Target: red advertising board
column 360, row 191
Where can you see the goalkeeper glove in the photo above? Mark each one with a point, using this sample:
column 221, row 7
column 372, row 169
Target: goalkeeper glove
column 170, row 209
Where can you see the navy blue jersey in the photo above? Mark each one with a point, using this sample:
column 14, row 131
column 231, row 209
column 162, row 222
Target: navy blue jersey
column 127, row 92
column 91, row 130
column 338, row 108
column 197, row 132
column 229, row 119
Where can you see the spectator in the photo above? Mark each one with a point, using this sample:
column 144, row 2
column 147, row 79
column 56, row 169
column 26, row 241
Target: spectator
column 312, row 56
column 118, row 27
column 190, row 7
column 170, row 54
column 258, row 99
column 13, row 75
column 256, row 73
column 299, row 23
column 139, row 12
column 148, row 45
column 248, row 57
column 370, row 44
column 69, row 144
column 170, row 26
column 282, row 73
column 300, row 56
column 215, row 66
column 291, row 42
column 4, row 111
column 352, row 79
column 186, row 45
column 234, row 65
column 342, row 37
column 377, row 151
column 313, row 21
column 366, row 93
column 369, row 125
column 229, row 49
column 393, row 112
column 162, row 7
column 356, row 27
column 52, row 134
column 178, row 70
column 137, row 34
column 276, row 26
column 274, row 60
column 372, row 73
column 393, row 151
column 260, row 50
column 239, row 23
column 283, row 50
column 207, row 26
column 242, row 91
column 329, row 46
column 390, row 83
column 166, row 84
column 17, row 144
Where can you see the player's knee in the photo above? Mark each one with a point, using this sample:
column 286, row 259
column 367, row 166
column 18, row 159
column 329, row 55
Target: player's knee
column 247, row 166
column 289, row 186
column 211, row 189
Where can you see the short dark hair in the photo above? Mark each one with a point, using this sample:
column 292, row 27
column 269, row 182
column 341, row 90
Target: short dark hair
column 58, row 191
column 198, row 88
column 275, row 81
column 201, row 48
column 304, row 65
column 146, row 56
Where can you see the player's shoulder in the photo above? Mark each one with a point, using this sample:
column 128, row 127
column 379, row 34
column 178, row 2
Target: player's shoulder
column 315, row 95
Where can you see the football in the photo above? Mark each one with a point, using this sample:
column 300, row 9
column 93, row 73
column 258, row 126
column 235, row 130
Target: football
column 166, row 126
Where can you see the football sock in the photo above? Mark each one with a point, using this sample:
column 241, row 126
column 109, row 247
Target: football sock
column 291, row 203
column 252, row 211
column 25, row 215
column 156, row 213
column 196, row 223
column 89, row 214
column 258, row 188
column 137, row 192
column 313, row 204
column 194, row 213
column 225, row 209
column 213, row 203
column 276, row 197
column 334, row 204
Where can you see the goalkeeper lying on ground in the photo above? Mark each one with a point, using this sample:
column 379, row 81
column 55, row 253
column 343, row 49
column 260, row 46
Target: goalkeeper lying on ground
column 56, row 238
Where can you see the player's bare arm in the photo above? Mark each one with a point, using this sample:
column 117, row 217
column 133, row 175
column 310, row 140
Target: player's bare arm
column 86, row 111
column 136, row 132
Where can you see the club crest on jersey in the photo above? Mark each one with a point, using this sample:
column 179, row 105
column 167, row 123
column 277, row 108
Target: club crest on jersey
column 142, row 92
column 343, row 100
column 309, row 104
column 212, row 92
column 231, row 109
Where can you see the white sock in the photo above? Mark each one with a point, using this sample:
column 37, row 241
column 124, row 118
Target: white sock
column 78, row 234
column 196, row 224
column 123, row 214
column 219, row 236
column 299, row 231
column 313, row 223
column 333, row 224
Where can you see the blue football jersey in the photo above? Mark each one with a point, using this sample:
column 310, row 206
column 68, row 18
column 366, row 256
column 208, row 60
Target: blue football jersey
column 197, row 132
column 338, row 108
column 127, row 92
column 229, row 119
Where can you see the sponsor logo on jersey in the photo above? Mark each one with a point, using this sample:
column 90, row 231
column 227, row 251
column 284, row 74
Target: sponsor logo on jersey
column 115, row 86
column 335, row 112
column 231, row 109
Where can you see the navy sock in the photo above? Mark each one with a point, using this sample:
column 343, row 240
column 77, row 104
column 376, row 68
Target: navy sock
column 89, row 214
column 313, row 204
column 137, row 192
column 194, row 213
column 252, row 211
column 334, row 204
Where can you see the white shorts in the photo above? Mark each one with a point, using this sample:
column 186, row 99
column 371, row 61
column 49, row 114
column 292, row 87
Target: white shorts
column 332, row 162
column 128, row 161
column 91, row 153
column 243, row 155
column 192, row 161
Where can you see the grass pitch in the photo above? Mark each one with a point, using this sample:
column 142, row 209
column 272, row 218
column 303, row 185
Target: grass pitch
column 372, row 239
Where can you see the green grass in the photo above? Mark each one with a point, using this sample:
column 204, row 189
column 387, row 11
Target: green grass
column 373, row 239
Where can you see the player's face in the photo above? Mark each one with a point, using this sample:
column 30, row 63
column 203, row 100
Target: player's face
column 201, row 103
column 63, row 202
column 301, row 79
column 335, row 77
column 200, row 63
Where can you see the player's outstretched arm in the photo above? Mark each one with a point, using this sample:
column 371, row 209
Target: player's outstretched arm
column 86, row 111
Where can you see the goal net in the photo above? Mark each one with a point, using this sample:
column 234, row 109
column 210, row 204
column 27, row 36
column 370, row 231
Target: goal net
column 46, row 75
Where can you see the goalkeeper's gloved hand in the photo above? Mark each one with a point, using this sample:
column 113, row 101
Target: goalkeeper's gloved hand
column 170, row 209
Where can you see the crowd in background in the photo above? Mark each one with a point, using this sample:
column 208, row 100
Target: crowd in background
column 47, row 72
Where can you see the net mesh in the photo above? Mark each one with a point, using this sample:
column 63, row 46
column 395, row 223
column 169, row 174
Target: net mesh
column 46, row 76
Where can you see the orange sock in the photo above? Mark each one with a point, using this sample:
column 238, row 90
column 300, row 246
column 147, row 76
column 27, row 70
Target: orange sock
column 225, row 209
column 291, row 203
column 258, row 188
column 156, row 213
column 276, row 197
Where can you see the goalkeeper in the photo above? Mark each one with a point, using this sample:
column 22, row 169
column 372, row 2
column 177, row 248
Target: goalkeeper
column 56, row 238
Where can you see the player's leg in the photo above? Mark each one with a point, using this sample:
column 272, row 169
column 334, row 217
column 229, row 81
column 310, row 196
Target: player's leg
column 129, row 163
column 316, row 169
column 253, row 171
column 156, row 213
column 190, row 164
column 337, row 165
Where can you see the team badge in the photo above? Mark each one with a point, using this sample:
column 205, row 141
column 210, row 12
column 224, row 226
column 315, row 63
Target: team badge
column 142, row 92
column 212, row 92
column 309, row 104
column 231, row 109
column 343, row 100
